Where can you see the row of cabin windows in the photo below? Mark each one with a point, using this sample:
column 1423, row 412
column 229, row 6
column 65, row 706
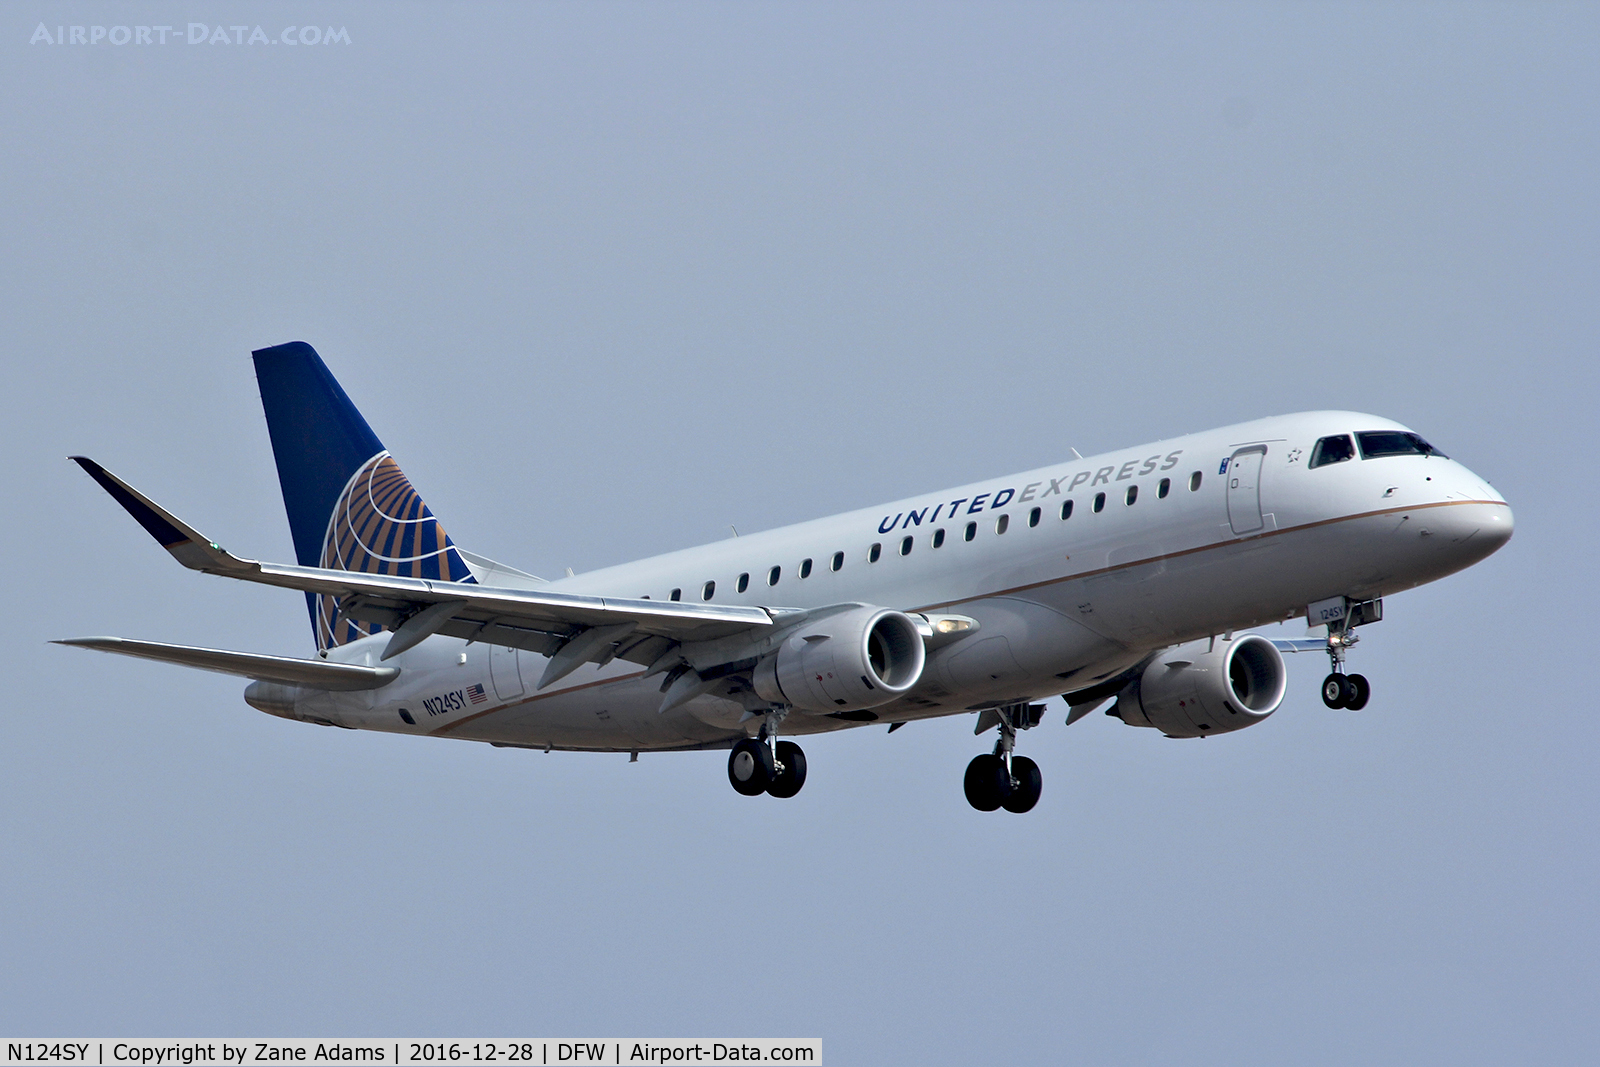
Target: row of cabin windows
column 907, row 543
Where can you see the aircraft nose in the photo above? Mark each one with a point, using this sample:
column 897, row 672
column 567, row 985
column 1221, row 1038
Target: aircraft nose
column 1472, row 531
column 1498, row 523
column 1487, row 519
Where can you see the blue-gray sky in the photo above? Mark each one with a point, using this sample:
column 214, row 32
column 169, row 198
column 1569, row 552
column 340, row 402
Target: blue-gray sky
column 609, row 278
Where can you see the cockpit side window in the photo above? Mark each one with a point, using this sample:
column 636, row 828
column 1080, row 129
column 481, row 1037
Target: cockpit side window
column 1376, row 443
column 1332, row 450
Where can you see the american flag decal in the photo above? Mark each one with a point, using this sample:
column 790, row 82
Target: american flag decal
column 476, row 694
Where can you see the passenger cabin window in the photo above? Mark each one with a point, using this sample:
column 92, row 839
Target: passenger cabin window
column 805, row 568
column 744, row 581
column 905, row 545
column 1066, row 509
column 972, row 530
column 1099, row 503
column 1002, row 524
column 838, row 560
column 708, row 590
column 1033, row 517
column 1133, row 494
column 1194, row 482
column 773, row 575
column 938, row 538
column 1376, row 443
column 1332, row 450
column 1164, row 488
column 677, row 594
column 874, row 552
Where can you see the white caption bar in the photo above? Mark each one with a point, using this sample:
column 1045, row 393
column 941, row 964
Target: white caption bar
column 393, row 1052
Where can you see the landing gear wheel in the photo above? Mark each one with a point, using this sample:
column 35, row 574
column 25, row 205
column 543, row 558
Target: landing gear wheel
column 1028, row 782
column 988, row 784
column 1333, row 691
column 750, row 767
column 787, row 781
column 1356, row 691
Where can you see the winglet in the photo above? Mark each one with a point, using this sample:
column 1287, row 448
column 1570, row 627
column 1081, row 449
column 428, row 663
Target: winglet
column 187, row 545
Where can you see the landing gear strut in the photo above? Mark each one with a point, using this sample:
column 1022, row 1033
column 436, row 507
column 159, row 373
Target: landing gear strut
column 1341, row 690
column 1001, row 779
column 763, row 764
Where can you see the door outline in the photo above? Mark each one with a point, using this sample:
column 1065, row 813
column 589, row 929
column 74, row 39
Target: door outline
column 1244, row 489
column 505, row 672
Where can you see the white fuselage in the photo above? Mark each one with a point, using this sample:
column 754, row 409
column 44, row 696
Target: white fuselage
column 1244, row 534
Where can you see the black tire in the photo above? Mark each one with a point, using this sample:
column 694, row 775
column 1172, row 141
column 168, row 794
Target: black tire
column 1357, row 692
column 1333, row 690
column 1029, row 782
column 987, row 783
column 750, row 767
column 787, row 782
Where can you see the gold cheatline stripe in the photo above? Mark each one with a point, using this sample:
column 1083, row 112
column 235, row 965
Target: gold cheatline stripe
column 1207, row 548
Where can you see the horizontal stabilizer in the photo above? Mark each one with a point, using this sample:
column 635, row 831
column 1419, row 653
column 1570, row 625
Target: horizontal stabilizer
column 308, row 673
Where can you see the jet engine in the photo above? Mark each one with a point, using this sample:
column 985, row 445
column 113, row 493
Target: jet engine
column 1206, row 687
column 856, row 659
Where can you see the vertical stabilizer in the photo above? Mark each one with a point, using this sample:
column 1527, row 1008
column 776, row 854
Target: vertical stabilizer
column 350, row 505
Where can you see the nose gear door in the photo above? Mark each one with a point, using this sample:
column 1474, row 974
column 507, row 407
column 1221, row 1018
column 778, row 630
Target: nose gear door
column 1244, row 489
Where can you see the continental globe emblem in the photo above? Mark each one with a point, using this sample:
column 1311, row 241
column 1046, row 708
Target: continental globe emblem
column 380, row 525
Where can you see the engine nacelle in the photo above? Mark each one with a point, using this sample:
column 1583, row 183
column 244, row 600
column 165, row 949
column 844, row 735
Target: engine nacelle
column 846, row 662
column 1200, row 688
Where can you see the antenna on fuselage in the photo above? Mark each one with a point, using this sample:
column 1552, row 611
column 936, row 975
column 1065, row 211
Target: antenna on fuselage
column 1074, row 452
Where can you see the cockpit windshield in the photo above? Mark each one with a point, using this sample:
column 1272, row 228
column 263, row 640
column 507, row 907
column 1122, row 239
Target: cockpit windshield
column 1332, row 450
column 1375, row 443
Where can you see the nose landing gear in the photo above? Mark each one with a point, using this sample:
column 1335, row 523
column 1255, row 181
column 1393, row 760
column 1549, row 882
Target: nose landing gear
column 1001, row 779
column 1341, row 690
column 763, row 764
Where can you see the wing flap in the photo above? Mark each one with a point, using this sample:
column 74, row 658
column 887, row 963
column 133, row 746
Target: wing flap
column 562, row 614
column 309, row 673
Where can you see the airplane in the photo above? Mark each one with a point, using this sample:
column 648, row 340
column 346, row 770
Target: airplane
column 1131, row 577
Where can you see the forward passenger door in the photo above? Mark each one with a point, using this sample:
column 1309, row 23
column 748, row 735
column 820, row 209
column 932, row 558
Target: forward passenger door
column 1244, row 489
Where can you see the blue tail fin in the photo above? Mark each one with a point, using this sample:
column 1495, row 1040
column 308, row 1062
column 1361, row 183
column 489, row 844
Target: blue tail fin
column 350, row 506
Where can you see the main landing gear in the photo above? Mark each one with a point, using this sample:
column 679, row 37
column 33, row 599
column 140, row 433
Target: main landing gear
column 1001, row 779
column 1346, row 691
column 763, row 764
column 1341, row 690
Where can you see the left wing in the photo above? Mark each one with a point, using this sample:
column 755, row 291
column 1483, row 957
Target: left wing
column 571, row 628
